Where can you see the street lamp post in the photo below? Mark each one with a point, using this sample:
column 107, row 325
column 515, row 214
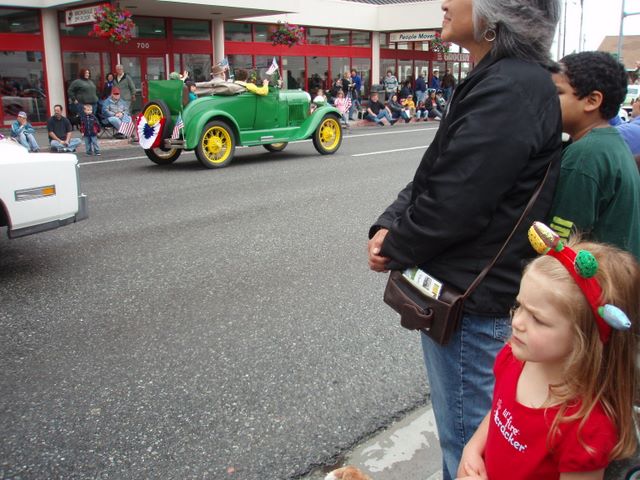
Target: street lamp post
column 623, row 15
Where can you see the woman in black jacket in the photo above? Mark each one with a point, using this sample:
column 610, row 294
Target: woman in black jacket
column 501, row 131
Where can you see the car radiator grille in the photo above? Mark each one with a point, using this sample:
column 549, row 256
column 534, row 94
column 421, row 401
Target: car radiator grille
column 296, row 114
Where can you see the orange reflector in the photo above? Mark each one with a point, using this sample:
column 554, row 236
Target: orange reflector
column 48, row 191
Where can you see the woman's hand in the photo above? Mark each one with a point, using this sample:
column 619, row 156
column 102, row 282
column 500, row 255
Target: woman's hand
column 377, row 262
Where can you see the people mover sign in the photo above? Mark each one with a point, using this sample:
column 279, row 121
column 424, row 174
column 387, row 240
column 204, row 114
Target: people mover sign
column 420, row 36
column 78, row 16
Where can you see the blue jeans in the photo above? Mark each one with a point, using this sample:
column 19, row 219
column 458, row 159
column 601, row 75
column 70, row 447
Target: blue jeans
column 461, row 380
column 73, row 144
column 91, row 143
column 378, row 118
column 28, row 141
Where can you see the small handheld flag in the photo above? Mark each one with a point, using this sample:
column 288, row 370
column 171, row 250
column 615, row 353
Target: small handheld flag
column 176, row 129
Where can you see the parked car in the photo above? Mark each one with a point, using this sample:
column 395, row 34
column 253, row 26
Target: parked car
column 215, row 124
column 38, row 191
column 633, row 92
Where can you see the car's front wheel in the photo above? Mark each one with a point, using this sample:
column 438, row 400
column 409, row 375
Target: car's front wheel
column 216, row 145
column 276, row 147
column 328, row 136
column 163, row 157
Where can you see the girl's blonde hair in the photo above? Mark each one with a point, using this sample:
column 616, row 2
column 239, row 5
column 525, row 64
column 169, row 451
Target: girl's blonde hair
column 597, row 372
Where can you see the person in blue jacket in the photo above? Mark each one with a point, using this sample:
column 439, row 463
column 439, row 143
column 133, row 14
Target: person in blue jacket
column 23, row 132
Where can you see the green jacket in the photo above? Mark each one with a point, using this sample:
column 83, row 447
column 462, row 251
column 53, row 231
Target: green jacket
column 126, row 86
column 84, row 91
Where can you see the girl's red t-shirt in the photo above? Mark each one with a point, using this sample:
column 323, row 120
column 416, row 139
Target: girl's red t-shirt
column 517, row 448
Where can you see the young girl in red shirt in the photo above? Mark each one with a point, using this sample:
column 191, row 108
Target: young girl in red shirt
column 566, row 382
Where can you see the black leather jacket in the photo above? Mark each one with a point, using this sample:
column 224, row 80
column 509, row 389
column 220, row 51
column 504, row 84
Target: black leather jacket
column 492, row 148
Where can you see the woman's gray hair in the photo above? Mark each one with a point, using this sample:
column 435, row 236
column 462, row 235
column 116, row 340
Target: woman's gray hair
column 524, row 28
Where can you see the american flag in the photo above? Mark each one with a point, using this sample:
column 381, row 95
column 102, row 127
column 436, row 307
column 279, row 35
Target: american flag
column 127, row 128
column 347, row 103
column 176, row 130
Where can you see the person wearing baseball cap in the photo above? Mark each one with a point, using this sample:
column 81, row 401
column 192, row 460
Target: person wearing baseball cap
column 116, row 111
column 22, row 132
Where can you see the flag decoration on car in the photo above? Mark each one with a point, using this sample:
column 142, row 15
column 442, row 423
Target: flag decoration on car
column 176, row 129
column 149, row 135
column 273, row 67
column 127, row 128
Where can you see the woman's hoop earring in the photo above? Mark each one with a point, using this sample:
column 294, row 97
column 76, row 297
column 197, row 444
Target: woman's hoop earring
column 490, row 35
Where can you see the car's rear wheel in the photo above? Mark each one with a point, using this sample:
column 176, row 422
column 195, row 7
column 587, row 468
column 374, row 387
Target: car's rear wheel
column 328, row 136
column 276, row 147
column 153, row 112
column 161, row 156
column 216, row 145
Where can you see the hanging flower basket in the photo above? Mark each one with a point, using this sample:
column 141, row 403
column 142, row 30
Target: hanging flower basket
column 113, row 23
column 439, row 45
column 287, row 34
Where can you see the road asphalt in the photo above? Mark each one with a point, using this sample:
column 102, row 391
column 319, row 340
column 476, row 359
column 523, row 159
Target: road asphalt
column 405, row 450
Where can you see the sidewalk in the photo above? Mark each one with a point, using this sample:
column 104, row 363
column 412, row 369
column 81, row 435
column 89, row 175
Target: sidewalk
column 110, row 143
column 42, row 138
column 406, row 450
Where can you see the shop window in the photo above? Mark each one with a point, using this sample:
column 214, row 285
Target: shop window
column 198, row 65
column 384, row 43
column 237, row 32
column 339, row 66
column 404, row 45
column 22, row 86
column 73, row 30
column 422, row 46
column 192, row 29
column 387, row 64
column 73, row 62
column 317, row 36
column 405, row 71
column 293, row 72
column 361, row 39
column 318, row 75
column 19, row 21
column 340, row 37
column 149, row 27
column 422, row 68
column 262, row 32
column 177, row 66
column 240, row 61
column 262, row 64
column 363, row 67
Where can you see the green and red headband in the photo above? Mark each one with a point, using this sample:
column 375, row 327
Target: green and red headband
column 582, row 266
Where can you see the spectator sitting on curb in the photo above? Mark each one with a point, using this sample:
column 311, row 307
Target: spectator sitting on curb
column 397, row 110
column 409, row 106
column 59, row 129
column 116, row 110
column 23, row 132
column 631, row 131
column 376, row 111
column 422, row 111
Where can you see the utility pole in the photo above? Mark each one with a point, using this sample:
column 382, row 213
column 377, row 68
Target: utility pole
column 580, row 40
column 623, row 15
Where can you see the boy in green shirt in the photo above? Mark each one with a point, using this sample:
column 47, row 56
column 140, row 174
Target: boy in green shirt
column 598, row 193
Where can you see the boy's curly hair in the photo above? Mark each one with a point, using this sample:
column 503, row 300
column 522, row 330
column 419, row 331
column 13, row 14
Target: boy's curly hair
column 590, row 71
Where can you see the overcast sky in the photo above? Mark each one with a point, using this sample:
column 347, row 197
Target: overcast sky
column 601, row 18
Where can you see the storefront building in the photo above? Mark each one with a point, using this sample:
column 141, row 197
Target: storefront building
column 43, row 49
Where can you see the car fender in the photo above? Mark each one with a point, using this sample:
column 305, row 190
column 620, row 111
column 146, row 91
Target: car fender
column 195, row 120
column 313, row 121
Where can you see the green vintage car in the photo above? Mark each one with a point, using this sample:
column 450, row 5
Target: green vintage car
column 215, row 124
